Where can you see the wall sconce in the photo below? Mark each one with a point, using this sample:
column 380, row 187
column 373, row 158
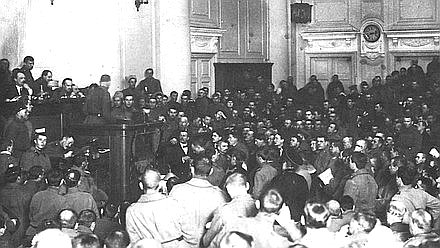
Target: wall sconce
column 138, row 3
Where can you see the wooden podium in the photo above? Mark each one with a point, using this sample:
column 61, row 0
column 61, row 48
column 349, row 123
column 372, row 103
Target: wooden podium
column 128, row 143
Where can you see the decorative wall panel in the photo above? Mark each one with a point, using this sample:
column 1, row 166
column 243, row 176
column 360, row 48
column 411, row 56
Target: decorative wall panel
column 204, row 13
column 330, row 42
column 413, row 14
column 326, row 12
column 404, row 41
column 245, row 23
column 372, row 9
column 255, row 28
column 230, row 21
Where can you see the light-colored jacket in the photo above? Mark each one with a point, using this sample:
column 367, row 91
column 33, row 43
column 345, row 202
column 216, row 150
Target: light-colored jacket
column 363, row 189
column 415, row 199
column 154, row 216
column 198, row 200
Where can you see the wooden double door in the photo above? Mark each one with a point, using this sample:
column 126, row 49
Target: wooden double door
column 325, row 67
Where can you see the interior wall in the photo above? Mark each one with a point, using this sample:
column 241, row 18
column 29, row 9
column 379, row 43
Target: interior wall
column 408, row 29
column 80, row 39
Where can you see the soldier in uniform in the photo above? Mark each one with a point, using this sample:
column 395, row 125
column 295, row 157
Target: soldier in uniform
column 149, row 85
column 98, row 102
column 36, row 154
column 19, row 131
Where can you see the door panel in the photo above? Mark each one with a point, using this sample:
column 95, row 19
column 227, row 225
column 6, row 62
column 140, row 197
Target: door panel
column 325, row 67
column 194, row 73
column 405, row 61
column 230, row 21
column 321, row 67
column 254, row 26
column 201, row 72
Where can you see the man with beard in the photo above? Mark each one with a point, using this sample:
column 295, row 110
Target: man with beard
column 19, row 131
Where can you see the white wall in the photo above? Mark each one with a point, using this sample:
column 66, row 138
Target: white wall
column 81, row 39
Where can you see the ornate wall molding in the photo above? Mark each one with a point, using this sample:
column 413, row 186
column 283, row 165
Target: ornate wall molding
column 336, row 42
column 423, row 40
column 205, row 40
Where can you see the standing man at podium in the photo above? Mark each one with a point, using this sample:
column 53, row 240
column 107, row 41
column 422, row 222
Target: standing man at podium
column 98, row 102
column 149, row 85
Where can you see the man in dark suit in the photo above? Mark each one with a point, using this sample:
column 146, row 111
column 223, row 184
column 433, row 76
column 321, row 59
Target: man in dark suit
column 18, row 88
column 97, row 106
column 178, row 158
column 149, row 85
column 40, row 86
column 28, row 65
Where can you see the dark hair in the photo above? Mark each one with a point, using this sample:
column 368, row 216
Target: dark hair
column 72, row 178
column 28, row 58
column 347, row 202
column 15, row 72
column 45, row 72
column 54, row 177
column 117, row 239
column 110, row 210
column 202, row 167
column 86, row 217
column 66, row 79
column 238, row 154
column 268, row 154
column 360, row 159
column 406, row 174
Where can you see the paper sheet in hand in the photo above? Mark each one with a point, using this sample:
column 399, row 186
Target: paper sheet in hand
column 434, row 153
column 326, row 176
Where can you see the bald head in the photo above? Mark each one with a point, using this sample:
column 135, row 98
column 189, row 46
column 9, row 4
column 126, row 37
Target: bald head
column 150, row 179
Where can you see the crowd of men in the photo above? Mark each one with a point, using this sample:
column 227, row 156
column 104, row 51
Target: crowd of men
column 261, row 167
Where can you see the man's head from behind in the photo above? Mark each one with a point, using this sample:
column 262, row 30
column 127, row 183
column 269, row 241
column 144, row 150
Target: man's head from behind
column 117, row 239
column 271, row 201
column 236, row 184
column 202, row 167
column 150, row 179
column 316, row 215
column 51, row 238
column 405, row 176
column 87, row 218
column 72, row 178
column 358, row 161
column 67, row 218
column 86, row 240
